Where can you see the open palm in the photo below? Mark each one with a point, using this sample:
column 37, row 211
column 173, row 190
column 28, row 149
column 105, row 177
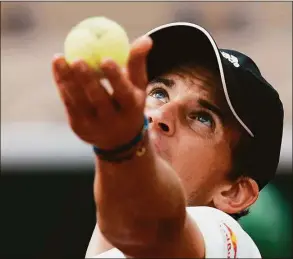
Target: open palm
column 97, row 117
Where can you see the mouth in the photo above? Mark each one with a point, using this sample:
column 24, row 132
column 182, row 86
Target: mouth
column 158, row 144
column 157, row 147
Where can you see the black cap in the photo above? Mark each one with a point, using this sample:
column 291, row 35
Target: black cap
column 253, row 101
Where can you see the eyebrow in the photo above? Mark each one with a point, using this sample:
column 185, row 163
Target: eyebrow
column 204, row 103
column 207, row 105
column 165, row 81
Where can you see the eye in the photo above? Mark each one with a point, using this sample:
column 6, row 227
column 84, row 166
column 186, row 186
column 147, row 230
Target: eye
column 203, row 118
column 160, row 94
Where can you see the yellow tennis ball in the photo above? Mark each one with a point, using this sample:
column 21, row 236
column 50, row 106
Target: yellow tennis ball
column 94, row 39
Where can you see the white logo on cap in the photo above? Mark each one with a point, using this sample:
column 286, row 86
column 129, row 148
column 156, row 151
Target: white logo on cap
column 231, row 58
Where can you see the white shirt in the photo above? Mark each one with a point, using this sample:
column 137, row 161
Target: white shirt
column 223, row 236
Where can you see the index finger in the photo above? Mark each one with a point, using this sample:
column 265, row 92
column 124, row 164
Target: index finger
column 71, row 93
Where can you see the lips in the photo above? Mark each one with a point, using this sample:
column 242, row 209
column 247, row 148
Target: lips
column 159, row 145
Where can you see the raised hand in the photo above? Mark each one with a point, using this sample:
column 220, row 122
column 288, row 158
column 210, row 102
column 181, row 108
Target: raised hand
column 97, row 117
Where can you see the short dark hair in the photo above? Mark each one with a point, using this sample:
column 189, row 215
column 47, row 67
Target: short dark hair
column 242, row 166
column 240, row 214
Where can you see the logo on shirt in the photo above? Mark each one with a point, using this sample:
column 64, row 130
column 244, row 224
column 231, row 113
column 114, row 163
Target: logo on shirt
column 231, row 58
column 231, row 240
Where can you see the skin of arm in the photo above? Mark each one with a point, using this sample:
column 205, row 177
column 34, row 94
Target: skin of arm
column 142, row 208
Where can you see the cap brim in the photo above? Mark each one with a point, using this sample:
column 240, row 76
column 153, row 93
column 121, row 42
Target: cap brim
column 177, row 43
column 181, row 42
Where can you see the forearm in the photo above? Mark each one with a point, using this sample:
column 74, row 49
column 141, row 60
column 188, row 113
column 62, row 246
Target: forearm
column 140, row 202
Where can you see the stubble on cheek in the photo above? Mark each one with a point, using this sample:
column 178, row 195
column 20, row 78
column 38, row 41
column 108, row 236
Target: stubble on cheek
column 197, row 174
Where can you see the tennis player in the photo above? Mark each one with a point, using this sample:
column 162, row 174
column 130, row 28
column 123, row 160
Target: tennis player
column 183, row 145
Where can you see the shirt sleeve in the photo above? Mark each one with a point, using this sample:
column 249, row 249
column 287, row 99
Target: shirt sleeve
column 223, row 236
column 112, row 253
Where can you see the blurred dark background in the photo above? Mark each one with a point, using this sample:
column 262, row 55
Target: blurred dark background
column 49, row 213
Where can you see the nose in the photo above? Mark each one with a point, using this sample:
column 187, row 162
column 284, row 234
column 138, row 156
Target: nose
column 163, row 120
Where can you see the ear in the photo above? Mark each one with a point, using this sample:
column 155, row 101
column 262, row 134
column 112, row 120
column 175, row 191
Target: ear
column 234, row 197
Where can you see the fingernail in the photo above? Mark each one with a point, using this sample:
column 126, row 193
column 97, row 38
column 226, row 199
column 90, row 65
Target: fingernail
column 106, row 61
column 108, row 64
column 61, row 64
column 58, row 55
column 143, row 40
column 82, row 66
column 147, row 39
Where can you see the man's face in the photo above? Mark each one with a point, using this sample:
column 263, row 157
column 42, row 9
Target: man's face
column 193, row 129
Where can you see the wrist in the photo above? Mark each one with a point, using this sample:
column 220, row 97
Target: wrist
column 135, row 147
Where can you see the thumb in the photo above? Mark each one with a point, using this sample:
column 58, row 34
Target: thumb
column 137, row 61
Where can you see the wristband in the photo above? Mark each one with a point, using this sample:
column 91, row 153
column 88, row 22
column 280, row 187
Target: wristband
column 110, row 154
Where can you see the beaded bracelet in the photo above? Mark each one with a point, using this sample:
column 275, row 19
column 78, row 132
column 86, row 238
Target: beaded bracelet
column 113, row 155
